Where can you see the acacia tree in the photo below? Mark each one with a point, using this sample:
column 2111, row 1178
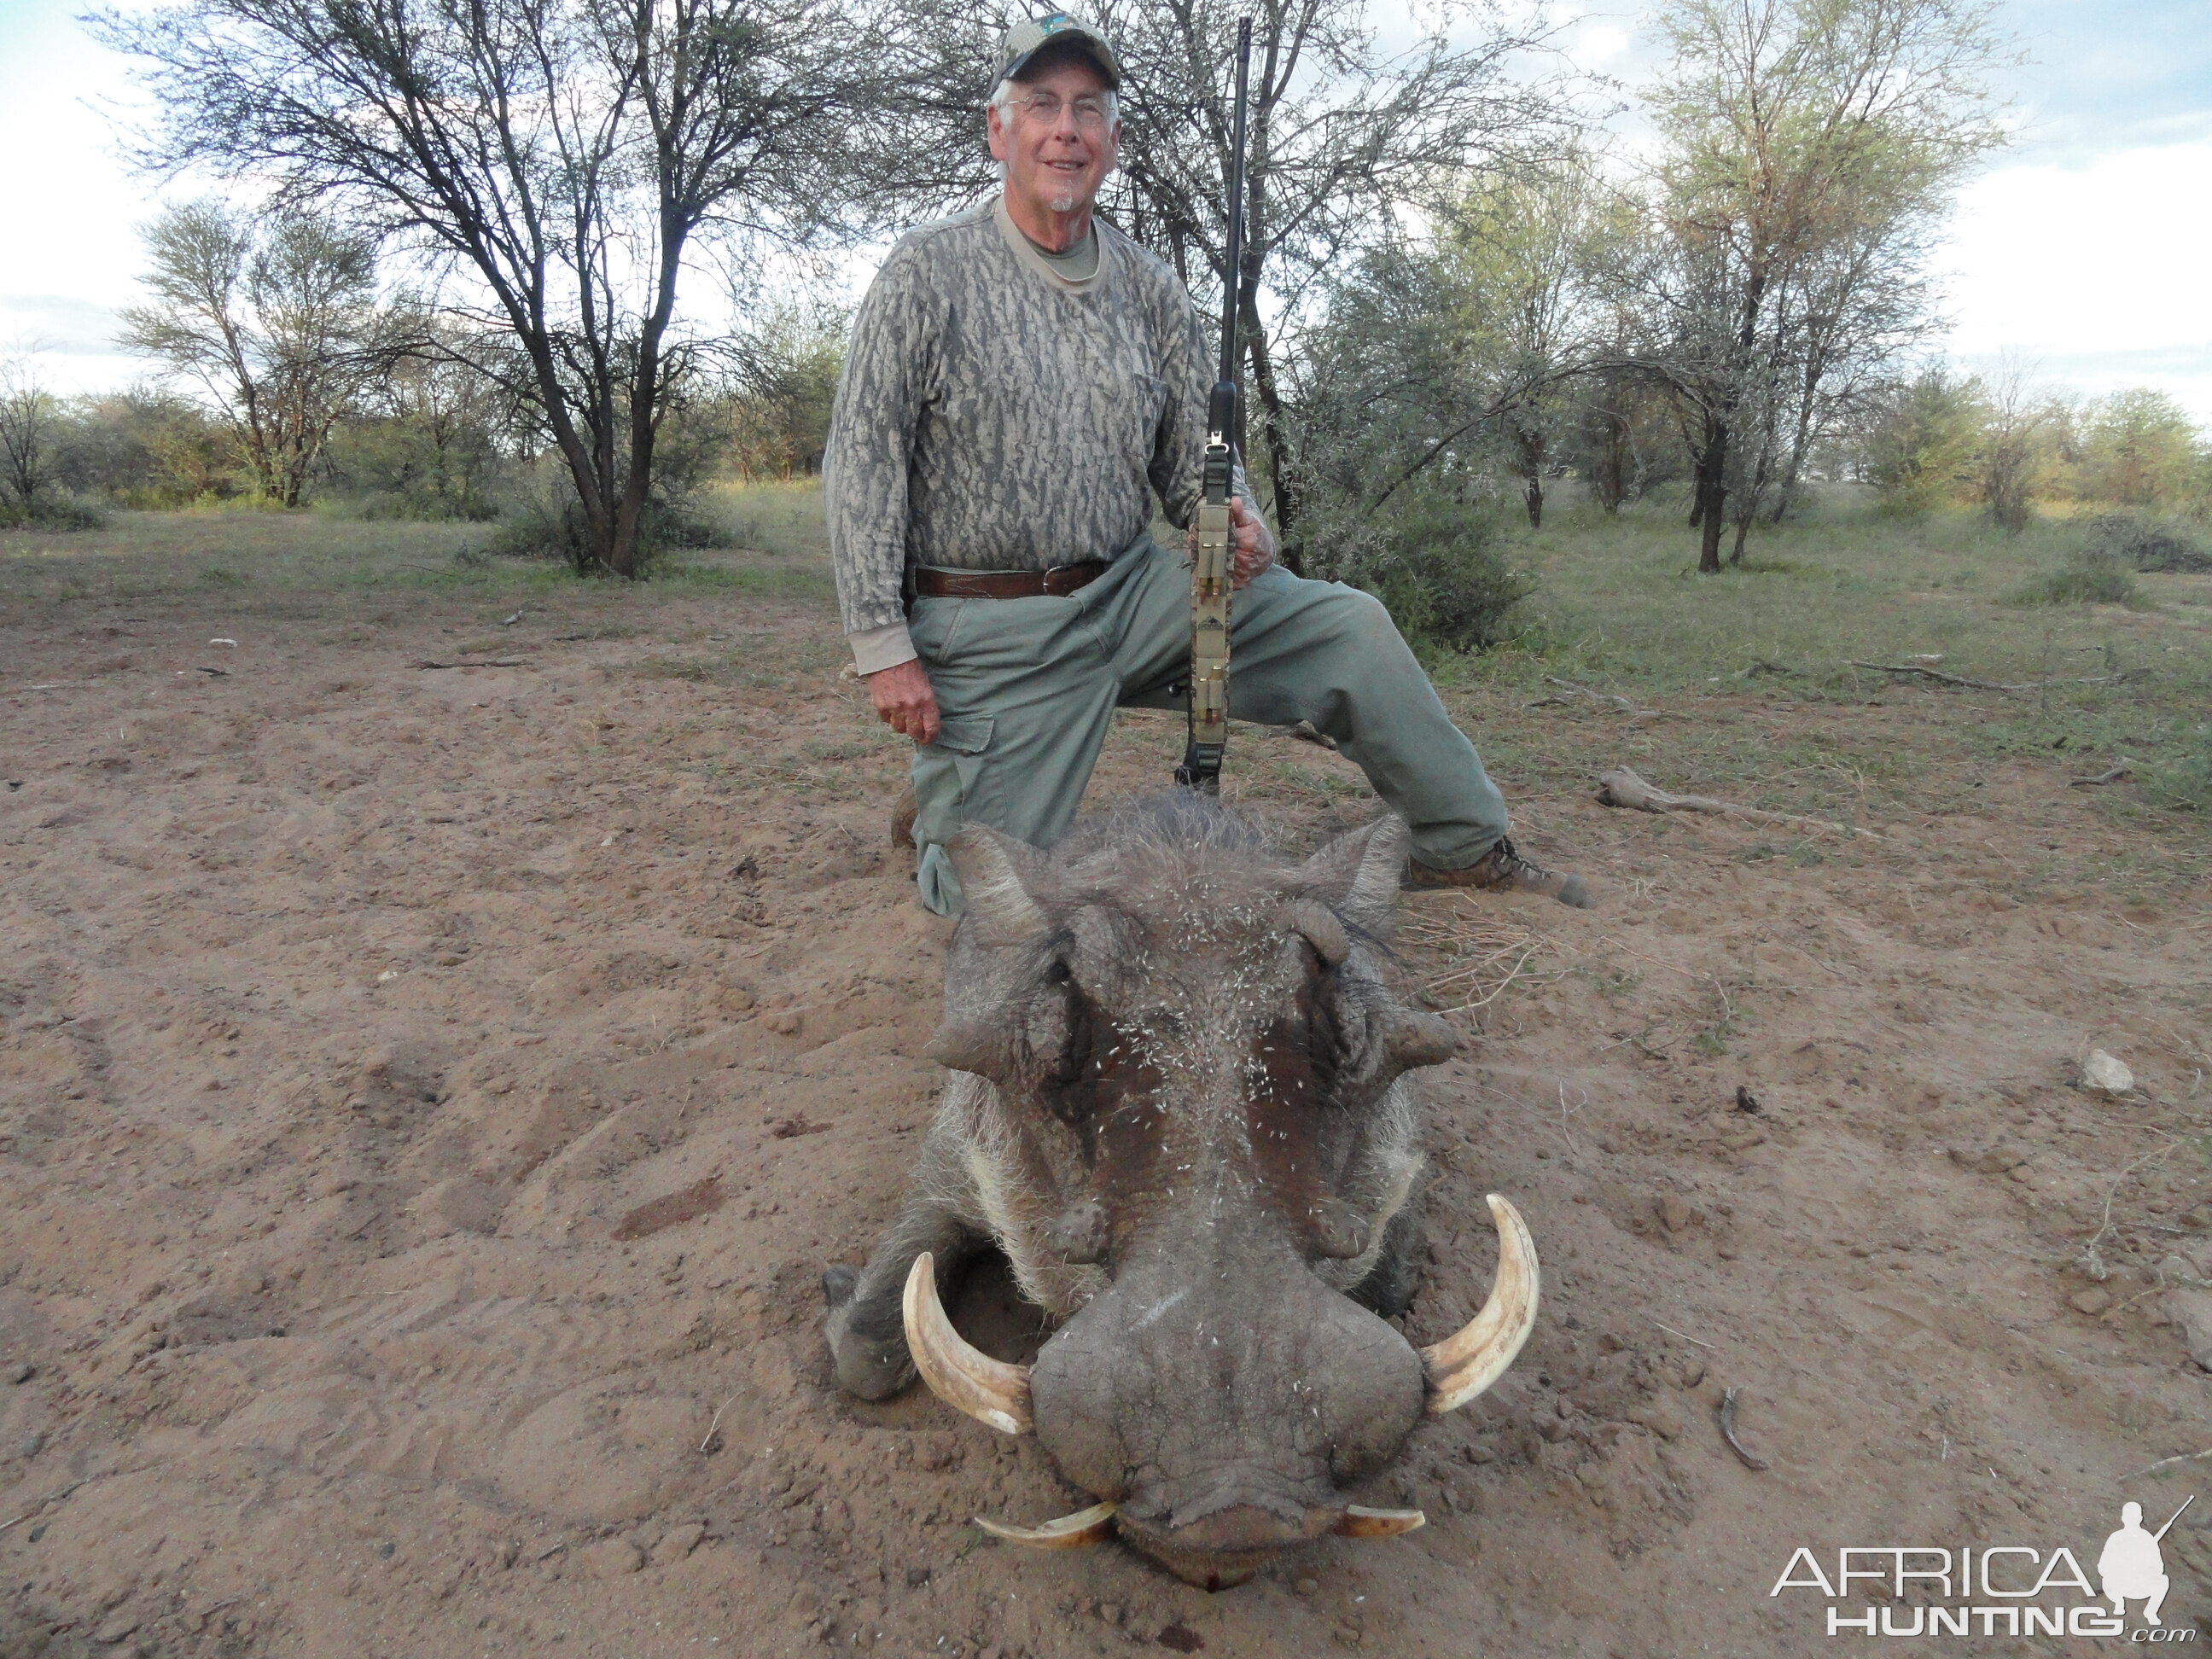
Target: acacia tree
column 1924, row 448
column 1524, row 258
column 30, row 421
column 2018, row 426
column 1344, row 132
column 2139, row 449
column 1809, row 149
column 277, row 322
column 558, row 158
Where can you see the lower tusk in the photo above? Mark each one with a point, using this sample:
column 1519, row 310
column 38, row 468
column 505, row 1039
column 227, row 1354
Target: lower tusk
column 963, row 1377
column 1359, row 1523
column 1071, row 1532
column 1469, row 1360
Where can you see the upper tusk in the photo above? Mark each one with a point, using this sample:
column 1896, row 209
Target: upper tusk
column 1070, row 1532
column 1469, row 1360
column 1358, row 1523
column 989, row 1390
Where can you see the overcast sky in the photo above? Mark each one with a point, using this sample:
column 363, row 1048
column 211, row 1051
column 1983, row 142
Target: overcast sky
column 2082, row 252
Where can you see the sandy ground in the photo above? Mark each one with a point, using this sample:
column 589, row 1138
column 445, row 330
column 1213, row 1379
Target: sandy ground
column 428, row 1095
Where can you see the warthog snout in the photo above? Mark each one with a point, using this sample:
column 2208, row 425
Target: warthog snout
column 1180, row 1105
column 1221, row 1414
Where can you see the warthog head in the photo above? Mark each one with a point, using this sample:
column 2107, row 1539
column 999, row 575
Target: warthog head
column 1200, row 1140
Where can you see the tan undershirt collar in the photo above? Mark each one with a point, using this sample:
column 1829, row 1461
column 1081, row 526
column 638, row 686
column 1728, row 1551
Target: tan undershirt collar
column 1046, row 266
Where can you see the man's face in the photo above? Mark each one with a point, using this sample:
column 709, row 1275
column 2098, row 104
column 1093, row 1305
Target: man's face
column 1057, row 165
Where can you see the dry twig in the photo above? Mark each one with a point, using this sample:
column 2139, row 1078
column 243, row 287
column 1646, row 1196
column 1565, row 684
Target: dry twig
column 51, row 1498
column 2122, row 679
column 717, row 1423
column 2103, row 778
column 1621, row 787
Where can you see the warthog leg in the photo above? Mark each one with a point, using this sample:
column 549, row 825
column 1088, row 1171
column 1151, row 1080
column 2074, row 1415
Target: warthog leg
column 866, row 1326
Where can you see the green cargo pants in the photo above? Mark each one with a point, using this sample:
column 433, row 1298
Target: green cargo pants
column 1026, row 688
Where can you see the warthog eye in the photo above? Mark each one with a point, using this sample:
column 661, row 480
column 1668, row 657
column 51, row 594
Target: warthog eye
column 1089, row 1073
column 1316, row 1031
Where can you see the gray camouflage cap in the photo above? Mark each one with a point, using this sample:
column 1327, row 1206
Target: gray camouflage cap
column 1025, row 39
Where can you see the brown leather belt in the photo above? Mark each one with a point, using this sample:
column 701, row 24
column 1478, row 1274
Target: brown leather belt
column 933, row 582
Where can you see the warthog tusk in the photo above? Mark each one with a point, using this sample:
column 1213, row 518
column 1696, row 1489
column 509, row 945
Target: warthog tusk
column 989, row 1390
column 1071, row 1532
column 1359, row 1523
column 1472, row 1357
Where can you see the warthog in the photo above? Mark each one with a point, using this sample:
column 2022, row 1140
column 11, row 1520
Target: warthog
column 1180, row 1106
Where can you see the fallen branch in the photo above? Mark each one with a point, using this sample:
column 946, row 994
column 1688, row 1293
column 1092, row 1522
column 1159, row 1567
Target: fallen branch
column 2103, row 778
column 2164, row 1462
column 1622, row 787
column 1938, row 675
column 494, row 662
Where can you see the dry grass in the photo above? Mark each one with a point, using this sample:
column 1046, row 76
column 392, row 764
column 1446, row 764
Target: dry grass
column 1479, row 955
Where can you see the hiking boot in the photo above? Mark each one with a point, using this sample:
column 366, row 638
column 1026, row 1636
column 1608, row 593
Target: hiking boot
column 1501, row 866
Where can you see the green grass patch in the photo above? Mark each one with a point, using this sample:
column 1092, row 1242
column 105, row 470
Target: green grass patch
column 2082, row 580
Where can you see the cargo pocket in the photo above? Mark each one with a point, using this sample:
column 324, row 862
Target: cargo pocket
column 949, row 783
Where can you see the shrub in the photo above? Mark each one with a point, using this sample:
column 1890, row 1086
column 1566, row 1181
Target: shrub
column 2140, row 544
column 2091, row 576
column 682, row 520
column 428, row 505
column 1434, row 558
column 53, row 510
column 550, row 525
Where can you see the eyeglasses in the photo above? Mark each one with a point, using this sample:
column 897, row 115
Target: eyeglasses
column 1092, row 112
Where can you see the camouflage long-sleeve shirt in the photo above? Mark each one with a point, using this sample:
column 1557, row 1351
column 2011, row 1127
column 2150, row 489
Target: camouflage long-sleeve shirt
column 995, row 416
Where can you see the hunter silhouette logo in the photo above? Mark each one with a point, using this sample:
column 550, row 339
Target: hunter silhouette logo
column 1997, row 1589
column 2132, row 1565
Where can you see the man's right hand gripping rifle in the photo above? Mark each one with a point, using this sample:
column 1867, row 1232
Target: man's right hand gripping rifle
column 907, row 702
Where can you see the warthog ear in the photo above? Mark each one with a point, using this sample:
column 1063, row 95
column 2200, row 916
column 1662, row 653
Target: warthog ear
column 994, row 871
column 1357, row 874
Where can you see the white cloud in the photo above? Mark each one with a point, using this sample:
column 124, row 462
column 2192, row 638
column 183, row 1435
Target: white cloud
column 2096, row 271
column 71, row 255
column 1597, row 44
column 2110, row 257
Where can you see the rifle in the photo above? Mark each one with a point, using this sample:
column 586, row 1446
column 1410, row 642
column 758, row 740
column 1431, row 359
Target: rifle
column 2168, row 1527
column 1212, row 565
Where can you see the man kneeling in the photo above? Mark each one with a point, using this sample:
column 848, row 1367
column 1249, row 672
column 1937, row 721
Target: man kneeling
column 1021, row 378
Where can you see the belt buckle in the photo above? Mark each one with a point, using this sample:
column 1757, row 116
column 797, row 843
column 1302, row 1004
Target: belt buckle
column 1057, row 579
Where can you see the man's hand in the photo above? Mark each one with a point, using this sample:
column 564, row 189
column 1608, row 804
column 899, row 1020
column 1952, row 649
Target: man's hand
column 905, row 700
column 1255, row 543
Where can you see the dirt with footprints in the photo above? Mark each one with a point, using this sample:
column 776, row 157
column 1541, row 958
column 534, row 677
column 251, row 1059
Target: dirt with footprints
column 429, row 1096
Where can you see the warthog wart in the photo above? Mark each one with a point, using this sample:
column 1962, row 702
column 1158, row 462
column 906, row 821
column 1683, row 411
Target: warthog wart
column 1180, row 1105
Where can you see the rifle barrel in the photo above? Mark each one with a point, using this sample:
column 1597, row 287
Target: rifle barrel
column 1233, row 276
